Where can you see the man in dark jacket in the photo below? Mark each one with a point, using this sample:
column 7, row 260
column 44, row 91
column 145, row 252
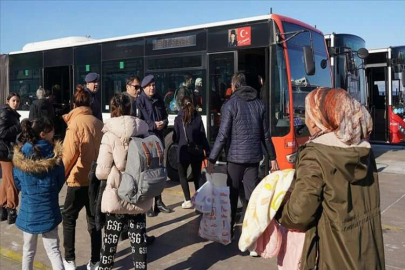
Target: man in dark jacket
column 41, row 107
column 92, row 87
column 152, row 110
column 243, row 131
column 133, row 91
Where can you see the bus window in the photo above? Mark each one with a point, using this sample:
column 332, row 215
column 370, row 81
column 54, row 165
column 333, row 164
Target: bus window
column 173, row 86
column 221, row 68
column 25, row 83
column 397, row 94
column 114, row 77
column 279, row 98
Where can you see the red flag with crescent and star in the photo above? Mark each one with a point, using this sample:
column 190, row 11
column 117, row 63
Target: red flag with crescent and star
column 244, row 36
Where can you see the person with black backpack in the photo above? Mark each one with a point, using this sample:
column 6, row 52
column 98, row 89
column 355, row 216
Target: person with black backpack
column 189, row 134
column 111, row 165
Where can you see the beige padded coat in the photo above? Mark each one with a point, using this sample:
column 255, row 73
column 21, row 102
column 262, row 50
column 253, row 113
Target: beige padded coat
column 112, row 160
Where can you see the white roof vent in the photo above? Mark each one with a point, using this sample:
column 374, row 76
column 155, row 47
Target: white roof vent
column 55, row 43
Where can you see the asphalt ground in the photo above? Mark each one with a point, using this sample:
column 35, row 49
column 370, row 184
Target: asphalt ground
column 178, row 245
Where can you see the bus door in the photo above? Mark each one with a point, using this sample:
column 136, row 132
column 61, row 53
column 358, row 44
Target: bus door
column 252, row 63
column 221, row 68
column 378, row 91
column 58, row 83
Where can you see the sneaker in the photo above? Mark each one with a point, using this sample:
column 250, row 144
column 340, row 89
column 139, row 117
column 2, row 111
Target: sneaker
column 92, row 266
column 69, row 265
column 254, row 254
column 187, row 205
column 3, row 213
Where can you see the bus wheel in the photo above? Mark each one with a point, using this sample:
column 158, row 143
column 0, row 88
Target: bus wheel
column 171, row 159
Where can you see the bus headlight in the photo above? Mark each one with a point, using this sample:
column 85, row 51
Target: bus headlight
column 291, row 158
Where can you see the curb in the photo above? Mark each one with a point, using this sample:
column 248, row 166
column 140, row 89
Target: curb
column 16, row 257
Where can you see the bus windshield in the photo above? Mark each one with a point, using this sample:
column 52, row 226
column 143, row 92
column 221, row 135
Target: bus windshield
column 302, row 83
column 354, row 80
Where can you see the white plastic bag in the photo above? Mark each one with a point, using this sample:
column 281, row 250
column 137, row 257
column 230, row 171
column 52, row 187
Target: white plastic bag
column 202, row 199
column 217, row 179
column 216, row 225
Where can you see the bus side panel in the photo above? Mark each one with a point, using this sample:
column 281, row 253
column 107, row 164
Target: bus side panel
column 4, row 78
column 285, row 146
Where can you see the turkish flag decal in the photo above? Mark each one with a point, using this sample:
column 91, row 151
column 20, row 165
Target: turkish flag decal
column 244, row 36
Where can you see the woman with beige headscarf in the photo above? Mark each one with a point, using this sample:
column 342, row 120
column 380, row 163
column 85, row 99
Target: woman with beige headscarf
column 336, row 199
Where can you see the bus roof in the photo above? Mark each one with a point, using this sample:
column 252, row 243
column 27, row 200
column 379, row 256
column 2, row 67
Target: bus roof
column 377, row 50
column 343, row 34
column 58, row 45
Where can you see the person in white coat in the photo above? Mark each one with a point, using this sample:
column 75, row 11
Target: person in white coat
column 111, row 164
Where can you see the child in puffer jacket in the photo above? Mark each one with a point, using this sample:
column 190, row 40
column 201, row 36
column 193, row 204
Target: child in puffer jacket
column 39, row 174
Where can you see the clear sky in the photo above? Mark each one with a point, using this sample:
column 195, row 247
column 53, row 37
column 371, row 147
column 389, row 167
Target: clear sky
column 380, row 23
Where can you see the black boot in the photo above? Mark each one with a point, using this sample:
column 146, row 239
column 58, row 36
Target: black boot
column 160, row 206
column 150, row 240
column 12, row 215
column 3, row 213
column 124, row 234
column 151, row 213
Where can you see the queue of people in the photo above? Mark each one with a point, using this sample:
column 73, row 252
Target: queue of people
column 337, row 162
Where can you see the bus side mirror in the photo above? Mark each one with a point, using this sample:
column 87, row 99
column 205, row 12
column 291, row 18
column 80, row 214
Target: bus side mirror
column 362, row 53
column 403, row 77
column 309, row 60
column 324, row 63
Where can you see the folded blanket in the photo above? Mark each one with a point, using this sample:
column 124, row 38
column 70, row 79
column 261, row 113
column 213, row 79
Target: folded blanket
column 263, row 205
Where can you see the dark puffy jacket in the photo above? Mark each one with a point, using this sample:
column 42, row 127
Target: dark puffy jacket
column 40, row 108
column 95, row 105
column 9, row 129
column 195, row 134
column 152, row 110
column 40, row 181
column 243, row 129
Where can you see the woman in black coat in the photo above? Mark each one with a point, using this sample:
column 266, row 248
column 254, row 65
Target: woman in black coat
column 189, row 132
column 9, row 129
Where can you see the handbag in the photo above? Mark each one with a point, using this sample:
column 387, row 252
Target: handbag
column 193, row 148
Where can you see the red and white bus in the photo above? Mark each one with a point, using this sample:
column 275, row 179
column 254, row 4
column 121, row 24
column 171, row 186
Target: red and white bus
column 285, row 52
column 385, row 84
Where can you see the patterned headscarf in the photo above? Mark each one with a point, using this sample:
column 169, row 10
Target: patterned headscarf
column 334, row 110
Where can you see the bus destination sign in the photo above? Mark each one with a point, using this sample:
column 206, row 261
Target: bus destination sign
column 175, row 42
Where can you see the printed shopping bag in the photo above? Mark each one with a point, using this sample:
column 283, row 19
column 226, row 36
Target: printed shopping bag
column 202, row 199
column 216, row 225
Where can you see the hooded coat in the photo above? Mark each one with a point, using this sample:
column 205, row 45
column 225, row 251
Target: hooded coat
column 112, row 161
column 243, row 129
column 40, row 182
column 81, row 145
column 336, row 201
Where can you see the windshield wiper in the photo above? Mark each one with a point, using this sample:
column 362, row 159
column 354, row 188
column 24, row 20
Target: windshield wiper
column 293, row 34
